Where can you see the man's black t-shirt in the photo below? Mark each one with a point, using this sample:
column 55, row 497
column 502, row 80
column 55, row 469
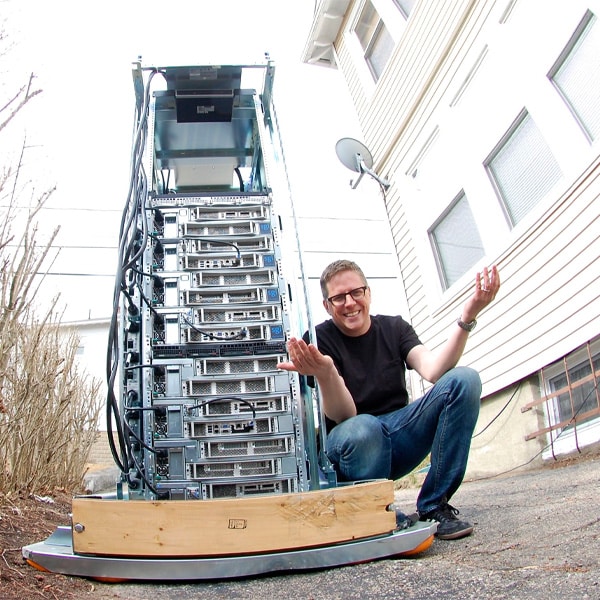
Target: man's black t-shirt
column 372, row 365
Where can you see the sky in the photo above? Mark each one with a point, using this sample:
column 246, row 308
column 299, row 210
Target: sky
column 79, row 129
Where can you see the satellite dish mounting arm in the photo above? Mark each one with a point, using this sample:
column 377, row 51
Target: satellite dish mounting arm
column 362, row 168
column 355, row 156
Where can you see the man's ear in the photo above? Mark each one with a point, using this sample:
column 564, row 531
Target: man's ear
column 326, row 306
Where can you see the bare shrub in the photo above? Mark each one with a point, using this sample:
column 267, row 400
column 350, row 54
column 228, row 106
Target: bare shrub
column 50, row 413
column 49, row 410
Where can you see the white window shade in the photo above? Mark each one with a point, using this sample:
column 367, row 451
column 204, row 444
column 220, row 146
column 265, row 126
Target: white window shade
column 380, row 51
column 577, row 76
column 456, row 241
column 523, row 169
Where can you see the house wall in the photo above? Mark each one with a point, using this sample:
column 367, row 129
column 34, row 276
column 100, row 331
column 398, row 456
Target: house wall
column 91, row 352
column 459, row 76
column 416, row 102
column 91, row 360
column 498, row 443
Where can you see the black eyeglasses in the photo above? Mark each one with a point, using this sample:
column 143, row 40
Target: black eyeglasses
column 356, row 294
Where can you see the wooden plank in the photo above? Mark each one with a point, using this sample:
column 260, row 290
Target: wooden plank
column 232, row 526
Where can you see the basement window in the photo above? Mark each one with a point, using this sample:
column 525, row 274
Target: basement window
column 572, row 399
column 576, row 75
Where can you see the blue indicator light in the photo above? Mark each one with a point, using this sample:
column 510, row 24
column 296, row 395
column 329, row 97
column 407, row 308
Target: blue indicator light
column 276, row 332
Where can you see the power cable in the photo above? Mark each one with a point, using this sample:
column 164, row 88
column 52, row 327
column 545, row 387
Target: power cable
column 500, row 412
column 128, row 235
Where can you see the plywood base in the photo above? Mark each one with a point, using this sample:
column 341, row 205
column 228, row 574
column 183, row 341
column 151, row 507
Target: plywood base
column 55, row 555
column 232, row 526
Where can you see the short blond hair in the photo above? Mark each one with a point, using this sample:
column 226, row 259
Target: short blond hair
column 336, row 267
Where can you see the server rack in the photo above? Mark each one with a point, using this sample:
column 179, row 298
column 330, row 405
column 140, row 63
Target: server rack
column 203, row 298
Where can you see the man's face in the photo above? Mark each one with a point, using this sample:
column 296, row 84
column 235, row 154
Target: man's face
column 352, row 316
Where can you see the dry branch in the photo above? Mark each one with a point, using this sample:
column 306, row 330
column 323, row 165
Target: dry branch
column 49, row 410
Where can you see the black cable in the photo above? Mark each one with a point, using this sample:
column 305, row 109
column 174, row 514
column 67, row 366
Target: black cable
column 501, row 410
column 143, row 296
column 135, row 368
column 222, row 398
column 127, row 237
column 138, row 439
column 142, row 273
column 141, row 473
column 240, row 180
column 200, row 237
column 211, row 336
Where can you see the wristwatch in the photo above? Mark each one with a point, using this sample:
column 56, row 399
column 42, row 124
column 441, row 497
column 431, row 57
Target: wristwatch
column 466, row 326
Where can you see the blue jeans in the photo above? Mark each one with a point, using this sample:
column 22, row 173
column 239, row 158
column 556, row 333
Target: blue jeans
column 392, row 445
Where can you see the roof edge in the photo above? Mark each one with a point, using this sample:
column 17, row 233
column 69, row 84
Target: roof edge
column 327, row 22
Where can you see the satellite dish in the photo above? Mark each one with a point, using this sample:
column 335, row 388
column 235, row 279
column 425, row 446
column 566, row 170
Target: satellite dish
column 355, row 156
column 349, row 149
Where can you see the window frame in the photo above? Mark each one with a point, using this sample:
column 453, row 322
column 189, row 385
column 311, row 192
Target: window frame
column 568, row 436
column 391, row 17
column 510, row 213
column 405, row 10
column 568, row 53
column 376, row 40
column 440, row 261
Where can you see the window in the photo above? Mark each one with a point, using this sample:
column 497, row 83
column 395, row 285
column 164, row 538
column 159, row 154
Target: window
column 456, row 241
column 375, row 39
column 522, row 168
column 571, row 390
column 405, row 6
column 571, row 400
column 576, row 75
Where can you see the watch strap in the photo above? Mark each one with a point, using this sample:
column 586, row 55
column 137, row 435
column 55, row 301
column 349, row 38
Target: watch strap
column 466, row 326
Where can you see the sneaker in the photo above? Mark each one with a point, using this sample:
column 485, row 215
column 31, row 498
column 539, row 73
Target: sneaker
column 449, row 526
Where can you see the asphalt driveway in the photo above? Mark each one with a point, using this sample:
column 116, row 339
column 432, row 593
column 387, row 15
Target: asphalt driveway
column 537, row 537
